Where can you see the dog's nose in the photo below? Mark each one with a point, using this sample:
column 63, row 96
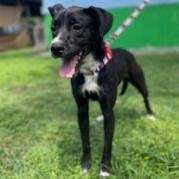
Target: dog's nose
column 57, row 48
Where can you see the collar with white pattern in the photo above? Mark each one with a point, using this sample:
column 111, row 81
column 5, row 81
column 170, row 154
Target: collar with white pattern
column 106, row 59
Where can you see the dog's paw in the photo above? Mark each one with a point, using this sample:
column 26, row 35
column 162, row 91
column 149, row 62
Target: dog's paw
column 105, row 170
column 85, row 170
column 104, row 174
column 151, row 117
column 86, row 163
column 100, row 118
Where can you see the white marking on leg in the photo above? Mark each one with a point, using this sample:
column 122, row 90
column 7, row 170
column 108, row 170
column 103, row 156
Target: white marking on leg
column 100, row 118
column 151, row 117
column 104, row 174
column 85, row 171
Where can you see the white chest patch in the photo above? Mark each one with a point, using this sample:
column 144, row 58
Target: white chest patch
column 90, row 84
column 88, row 66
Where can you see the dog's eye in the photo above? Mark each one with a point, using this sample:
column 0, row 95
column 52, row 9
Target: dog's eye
column 77, row 27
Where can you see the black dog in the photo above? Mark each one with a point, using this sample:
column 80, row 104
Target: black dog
column 95, row 71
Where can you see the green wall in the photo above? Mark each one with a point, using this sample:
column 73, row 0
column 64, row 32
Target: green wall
column 157, row 26
column 48, row 34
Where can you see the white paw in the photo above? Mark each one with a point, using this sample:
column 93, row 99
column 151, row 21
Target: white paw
column 100, row 118
column 104, row 174
column 85, row 171
column 151, row 117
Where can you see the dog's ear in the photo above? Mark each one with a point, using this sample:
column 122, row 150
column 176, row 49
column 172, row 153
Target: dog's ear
column 102, row 17
column 55, row 9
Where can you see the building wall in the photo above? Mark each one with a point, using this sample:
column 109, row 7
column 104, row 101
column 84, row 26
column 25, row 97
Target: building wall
column 12, row 33
column 156, row 26
column 19, row 40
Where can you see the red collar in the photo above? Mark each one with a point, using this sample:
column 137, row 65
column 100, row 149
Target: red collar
column 106, row 59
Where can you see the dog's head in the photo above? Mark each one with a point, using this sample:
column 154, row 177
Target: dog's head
column 75, row 32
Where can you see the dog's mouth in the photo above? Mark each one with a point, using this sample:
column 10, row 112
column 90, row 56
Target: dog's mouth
column 70, row 67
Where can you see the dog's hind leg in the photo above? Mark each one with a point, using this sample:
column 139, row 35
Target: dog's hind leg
column 100, row 118
column 124, row 86
column 138, row 80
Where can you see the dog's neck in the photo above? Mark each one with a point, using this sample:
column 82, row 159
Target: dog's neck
column 89, row 65
column 96, row 59
column 88, row 69
column 98, row 49
column 94, row 56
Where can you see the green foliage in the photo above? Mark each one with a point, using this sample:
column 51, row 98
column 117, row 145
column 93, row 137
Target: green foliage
column 39, row 136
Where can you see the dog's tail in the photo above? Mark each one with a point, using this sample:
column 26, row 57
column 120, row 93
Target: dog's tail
column 124, row 87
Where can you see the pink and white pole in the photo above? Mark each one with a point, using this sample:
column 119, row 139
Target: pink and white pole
column 128, row 21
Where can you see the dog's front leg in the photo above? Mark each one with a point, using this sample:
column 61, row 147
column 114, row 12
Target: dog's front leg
column 108, row 114
column 83, row 120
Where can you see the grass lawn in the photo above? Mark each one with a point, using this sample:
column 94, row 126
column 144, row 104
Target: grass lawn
column 39, row 136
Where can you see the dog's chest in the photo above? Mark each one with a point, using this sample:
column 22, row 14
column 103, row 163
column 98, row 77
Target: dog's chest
column 88, row 68
column 90, row 85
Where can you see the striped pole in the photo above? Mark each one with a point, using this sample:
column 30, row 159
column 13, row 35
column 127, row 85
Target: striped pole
column 127, row 22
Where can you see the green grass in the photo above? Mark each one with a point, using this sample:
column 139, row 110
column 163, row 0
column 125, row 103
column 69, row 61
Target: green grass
column 39, row 136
